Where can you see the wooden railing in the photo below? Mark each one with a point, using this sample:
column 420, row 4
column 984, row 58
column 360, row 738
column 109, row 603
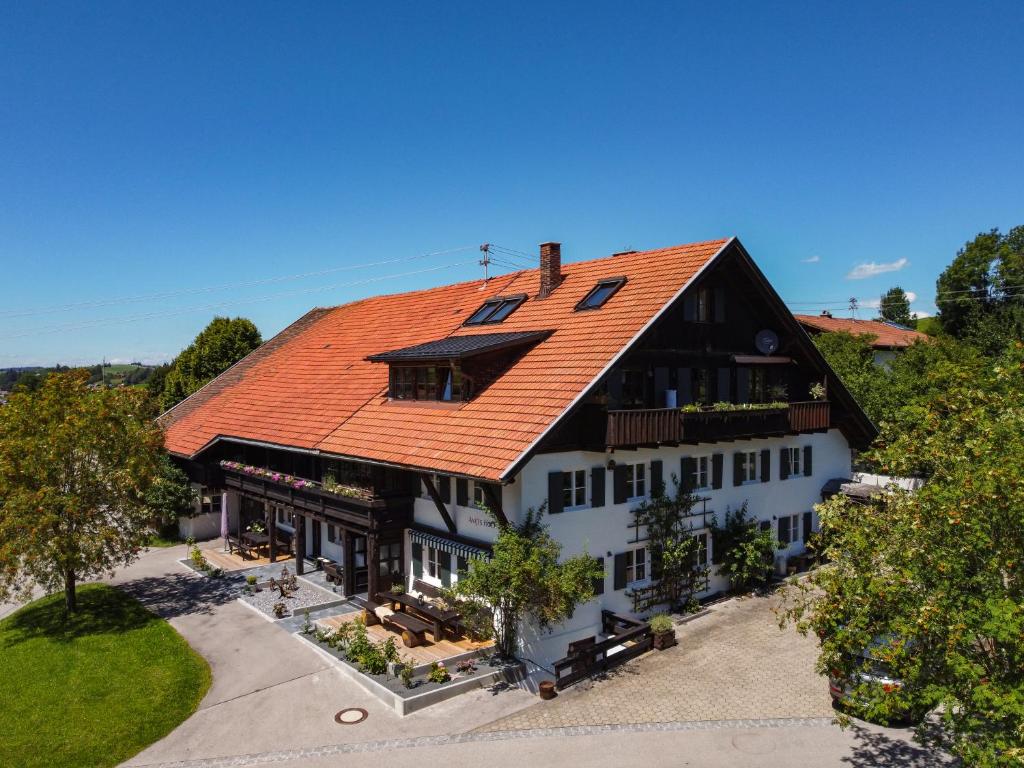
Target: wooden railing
column 587, row 658
column 655, row 426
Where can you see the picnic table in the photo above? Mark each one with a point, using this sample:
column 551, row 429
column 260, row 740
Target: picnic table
column 439, row 617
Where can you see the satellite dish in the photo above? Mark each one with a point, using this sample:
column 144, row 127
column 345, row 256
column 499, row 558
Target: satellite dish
column 767, row 342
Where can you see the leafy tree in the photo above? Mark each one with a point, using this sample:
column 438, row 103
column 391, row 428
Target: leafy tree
column 981, row 294
column 853, row 360
column 525, row 580
column 746, row 550
column 894, row 306
column 674, row 549
column 171, row 495
column 930, row 325
column 220, row 345
column 75, row 467
column 936, row 575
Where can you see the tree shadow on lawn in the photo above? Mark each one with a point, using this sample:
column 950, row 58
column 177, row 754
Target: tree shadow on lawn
column 874, row 749
column 101, row 610
column 180, row 594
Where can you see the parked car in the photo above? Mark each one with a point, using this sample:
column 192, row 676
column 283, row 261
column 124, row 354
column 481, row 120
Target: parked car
column 873, row 671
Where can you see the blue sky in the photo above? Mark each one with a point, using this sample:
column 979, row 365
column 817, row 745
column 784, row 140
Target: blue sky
column 164, row 148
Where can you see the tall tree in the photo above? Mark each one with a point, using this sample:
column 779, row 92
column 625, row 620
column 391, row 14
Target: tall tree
column 75, row 467
column 220, row 345
column 853, row 359
column 932, row 581
column 894, row 306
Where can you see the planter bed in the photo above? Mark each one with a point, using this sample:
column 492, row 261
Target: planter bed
column 306, row 597
column 423, row 693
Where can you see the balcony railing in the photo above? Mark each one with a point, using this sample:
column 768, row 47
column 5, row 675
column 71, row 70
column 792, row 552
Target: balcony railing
column 655, row 426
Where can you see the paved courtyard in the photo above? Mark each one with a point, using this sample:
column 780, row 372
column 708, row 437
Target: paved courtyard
column 731, row 664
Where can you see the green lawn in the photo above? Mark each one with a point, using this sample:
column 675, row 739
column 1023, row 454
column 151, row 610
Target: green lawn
column 95, row 689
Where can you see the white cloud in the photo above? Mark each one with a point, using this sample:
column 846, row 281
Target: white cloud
column 921, row 313
column 872, row 268
column 811, row 260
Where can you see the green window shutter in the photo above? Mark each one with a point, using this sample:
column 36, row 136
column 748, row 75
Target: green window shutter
column 444, row 563
column 766, row 465
column 717, row 550
column 555, row 497
column 783, row 463
column 461, row 565
column 784, row 528
column 619, row 484
column 687, row 469
column 807, row 461
column 808, row 524
column 417, row 560
column 717, row 465
column 765, row 525
column 737, row 468
column 462, row 492
column 599, row 582
column 445, row 488
column 657, row 483
column 597, row 486
column 619, row 576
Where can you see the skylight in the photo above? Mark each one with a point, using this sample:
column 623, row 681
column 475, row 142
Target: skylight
column 600, row 293
column 495, row 310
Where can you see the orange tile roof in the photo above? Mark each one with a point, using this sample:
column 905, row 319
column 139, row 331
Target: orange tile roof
column 311, row 387
column 887, row 336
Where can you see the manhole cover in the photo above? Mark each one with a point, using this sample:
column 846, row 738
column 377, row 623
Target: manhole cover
column 351, row 716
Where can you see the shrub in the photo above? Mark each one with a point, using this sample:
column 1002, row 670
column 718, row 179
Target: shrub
column 747, row 551
column 438, row 673
column 661, row 622
column 250, row 580
column 279, row 610
column 465, row 666
column 405, row 675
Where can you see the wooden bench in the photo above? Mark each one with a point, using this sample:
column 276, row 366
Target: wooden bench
column 413, row 629
column 333, row 572
column 427, row 590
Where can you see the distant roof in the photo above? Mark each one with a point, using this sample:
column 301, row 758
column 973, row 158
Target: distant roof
column 459, row 347
column 887, row 335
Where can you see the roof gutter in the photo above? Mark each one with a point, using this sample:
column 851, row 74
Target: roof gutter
column 515, row 466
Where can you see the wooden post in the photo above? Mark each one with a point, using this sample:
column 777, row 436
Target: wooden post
column 299, row 545
column 271, row 531
column 372, row 566
column 348, row 556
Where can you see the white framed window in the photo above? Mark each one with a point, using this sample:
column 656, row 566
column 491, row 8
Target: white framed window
column 701, row 556
column 284, row 516
column 332, row 534
column 636, row 481
column 209, row 500
column 636, row 565
column 574, row 489
column 748, row 466
column 701, row 478
column 430, row 563
column 789, row 529
column 479, row 500
column 795, row 454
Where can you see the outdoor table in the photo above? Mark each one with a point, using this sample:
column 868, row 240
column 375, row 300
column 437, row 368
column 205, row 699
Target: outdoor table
column 438, row 616
column 256, row 540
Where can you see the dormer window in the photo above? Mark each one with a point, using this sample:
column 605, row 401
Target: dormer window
column 427, row 382
column 600, row 293
column 496, row 310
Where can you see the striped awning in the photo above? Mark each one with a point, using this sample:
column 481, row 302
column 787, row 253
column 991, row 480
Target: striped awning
column 459, row 548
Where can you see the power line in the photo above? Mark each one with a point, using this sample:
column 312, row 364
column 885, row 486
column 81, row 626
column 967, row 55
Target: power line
column 4, row 314
column 99, row 322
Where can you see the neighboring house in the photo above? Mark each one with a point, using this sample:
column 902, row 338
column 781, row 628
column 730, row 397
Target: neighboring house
column 889, row 338
column 395, row 418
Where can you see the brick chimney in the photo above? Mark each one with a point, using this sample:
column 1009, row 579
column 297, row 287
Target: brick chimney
column 826, row 313
column 550, row 268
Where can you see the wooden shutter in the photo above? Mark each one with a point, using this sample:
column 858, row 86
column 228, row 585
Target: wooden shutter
column 737, row 468
column 724, row 385
column 685, row 385
column 687, row 469
column 462, row 492
column 417, row 560
column 556, row 498
column 444, row 564
column 719, row 305
column 808, row 525
column 783, row 463
column 597, row 486
column 717, row 464
column 444, row 484
column 765, row 525
column 717, row 552
column 619, row 577
column 657, row 483
column 599, row 582
column 461, row 564
column 742, row 385
column 689, row 308
column 766, row 465
column 807, row 461
column 784, row 529
column 619, row 493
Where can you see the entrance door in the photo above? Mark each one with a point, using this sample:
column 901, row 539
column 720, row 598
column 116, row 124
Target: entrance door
column 361, row 572
column 390, row 564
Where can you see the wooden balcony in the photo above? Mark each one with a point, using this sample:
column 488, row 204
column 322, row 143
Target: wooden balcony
column 657, row 426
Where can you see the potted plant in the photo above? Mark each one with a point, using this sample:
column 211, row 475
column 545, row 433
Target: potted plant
column 664, row 631
column 546, row 689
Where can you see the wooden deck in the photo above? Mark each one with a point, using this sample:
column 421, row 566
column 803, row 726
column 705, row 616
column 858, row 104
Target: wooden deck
column 423, row 654
column 218, row 558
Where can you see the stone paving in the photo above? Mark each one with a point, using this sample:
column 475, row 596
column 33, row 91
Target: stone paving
column 733, row 664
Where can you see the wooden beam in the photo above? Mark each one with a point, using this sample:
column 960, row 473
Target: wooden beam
column 299, row 543
column 428, row 481
column 494, row 504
